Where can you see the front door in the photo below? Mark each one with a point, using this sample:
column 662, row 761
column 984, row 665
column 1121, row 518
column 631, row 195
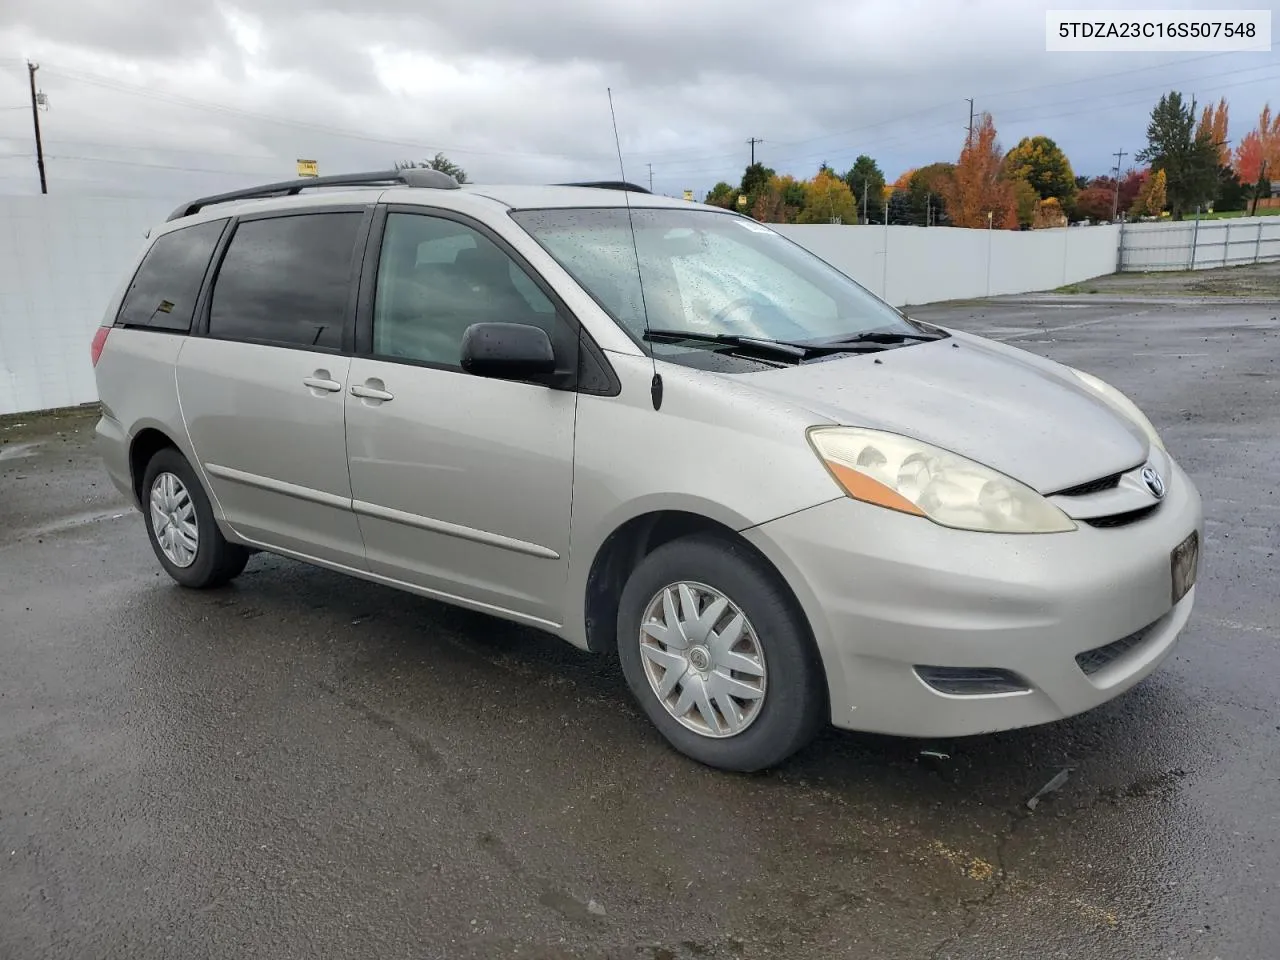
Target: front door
column 262, row 392
column 461, row 484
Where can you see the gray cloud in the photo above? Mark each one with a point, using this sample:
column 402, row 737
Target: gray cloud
column 178, row 98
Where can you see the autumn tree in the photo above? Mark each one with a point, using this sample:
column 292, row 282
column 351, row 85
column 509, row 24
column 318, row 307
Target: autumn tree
column 866, row 180
column 1213, row 124
column 977, row 186
column 1025, row 200
column 1132, row 184
column 1153, row 198
column 438, row 162
column 1258, row 154
column 1094, row 201
column 1189, row 159
column 904, row 179
column 1041, row 162
column 1248, row 158
column 826, row 198
column 779, row 200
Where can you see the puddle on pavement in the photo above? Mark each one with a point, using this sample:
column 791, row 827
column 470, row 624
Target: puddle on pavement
column 71, row 522
column 18, row 451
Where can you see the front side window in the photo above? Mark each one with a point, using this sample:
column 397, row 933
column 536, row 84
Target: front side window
column 706, row 273
column 164, row 290
column 287, row 280
column 436, row 277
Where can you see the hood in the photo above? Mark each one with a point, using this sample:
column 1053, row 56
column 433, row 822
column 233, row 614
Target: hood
column 1027, row 417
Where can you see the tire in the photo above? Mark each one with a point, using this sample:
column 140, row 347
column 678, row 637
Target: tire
column 793, row 704
column 215, row 561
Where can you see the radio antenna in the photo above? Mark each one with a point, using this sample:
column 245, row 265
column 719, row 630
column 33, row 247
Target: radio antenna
column 655, row 386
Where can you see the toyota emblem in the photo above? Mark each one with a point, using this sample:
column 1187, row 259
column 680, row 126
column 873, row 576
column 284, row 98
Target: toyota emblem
column 1153, row 481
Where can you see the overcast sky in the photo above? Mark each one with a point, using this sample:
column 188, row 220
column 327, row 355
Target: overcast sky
column 177, row 98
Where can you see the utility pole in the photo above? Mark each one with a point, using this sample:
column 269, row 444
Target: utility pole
column 1115, row 201
column 753, row 141
column 969, row 139
column 35, row 120
column 650, row 178
column 864, row 199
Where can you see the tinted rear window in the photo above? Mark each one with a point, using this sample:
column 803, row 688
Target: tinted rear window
column 164, row 290
column 287, row 280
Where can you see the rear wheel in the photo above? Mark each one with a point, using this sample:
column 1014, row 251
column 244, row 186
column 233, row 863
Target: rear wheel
column 181, row 527
column 718, row 656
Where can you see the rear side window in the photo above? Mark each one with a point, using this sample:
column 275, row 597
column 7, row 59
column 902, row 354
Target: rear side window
column 164, row 290
column 287, row 280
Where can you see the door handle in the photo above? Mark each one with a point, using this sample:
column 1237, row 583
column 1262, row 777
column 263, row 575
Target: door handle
column 371, row 393
column 322, row 383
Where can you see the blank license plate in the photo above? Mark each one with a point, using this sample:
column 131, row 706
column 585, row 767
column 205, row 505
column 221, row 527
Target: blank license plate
column 1185, row 560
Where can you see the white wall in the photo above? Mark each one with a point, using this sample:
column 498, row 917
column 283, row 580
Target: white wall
column 929, row 264
column 61, row 258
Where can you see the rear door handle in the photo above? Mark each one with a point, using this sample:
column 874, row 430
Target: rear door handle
column 371, row 393
column 322, row 383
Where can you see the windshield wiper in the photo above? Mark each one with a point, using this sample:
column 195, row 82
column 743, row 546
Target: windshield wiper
column 786, row 348
column 879, row 337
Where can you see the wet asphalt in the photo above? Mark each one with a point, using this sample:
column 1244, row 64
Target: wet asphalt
column 303, row 765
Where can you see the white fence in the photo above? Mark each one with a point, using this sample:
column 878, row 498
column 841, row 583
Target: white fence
column 1199, row 244
column 62, row 257
column 915, row 265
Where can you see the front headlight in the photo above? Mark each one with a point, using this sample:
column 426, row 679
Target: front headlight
column 913, row 477
column 1122, row 405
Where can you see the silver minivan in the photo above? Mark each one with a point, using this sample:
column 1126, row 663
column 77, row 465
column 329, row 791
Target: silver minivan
column 654, row 428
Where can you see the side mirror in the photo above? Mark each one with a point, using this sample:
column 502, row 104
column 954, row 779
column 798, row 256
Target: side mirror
column 508, row 351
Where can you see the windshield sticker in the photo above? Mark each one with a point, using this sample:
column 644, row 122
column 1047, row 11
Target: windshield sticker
column 753, row 226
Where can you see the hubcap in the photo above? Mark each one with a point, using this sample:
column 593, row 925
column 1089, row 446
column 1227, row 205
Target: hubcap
column 173, row 520
column 703, row 659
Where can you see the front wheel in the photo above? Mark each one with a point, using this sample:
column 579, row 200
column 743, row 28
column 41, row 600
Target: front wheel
column 716, row 653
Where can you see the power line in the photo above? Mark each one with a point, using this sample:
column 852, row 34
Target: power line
column 146, row 93
column 151, row 166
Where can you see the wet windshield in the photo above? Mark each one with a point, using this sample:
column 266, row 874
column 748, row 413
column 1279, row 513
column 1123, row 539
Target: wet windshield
column 707, row 273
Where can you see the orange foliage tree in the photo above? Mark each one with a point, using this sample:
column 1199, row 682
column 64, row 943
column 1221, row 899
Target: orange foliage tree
column 1258, row 146
column 977, row 186
column 1213, row 123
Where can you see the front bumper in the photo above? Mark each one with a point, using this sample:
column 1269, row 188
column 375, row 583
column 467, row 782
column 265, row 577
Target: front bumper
column 885, row 592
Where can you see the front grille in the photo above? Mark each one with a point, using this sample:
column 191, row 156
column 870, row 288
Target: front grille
column 1122, row 519
column 972, row 681
column 1093, row 486
column 1091, row 661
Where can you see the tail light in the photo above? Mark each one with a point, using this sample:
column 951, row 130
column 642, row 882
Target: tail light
column 99, row 341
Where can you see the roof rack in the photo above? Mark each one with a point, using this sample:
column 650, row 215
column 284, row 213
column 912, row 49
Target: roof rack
column 608, row 185
column 410, row 176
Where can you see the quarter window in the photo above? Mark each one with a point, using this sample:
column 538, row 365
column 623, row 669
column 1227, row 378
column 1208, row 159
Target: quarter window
column 164, row 290
column 287, row 280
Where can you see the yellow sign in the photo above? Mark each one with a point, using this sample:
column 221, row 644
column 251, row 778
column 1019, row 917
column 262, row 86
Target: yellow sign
column 688, row 194
column 308, row 168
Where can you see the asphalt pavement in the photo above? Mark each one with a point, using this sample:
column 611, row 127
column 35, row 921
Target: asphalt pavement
column 304, row 765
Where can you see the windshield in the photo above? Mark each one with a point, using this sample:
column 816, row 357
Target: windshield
column 706, row 273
